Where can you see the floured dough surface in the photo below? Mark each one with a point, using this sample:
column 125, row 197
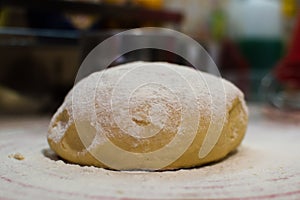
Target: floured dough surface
column 149, row 116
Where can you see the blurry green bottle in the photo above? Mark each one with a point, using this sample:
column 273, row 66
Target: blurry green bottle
column 256, row 25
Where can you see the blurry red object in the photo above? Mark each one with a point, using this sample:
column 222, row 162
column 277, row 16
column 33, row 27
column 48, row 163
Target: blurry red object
column 288, row 69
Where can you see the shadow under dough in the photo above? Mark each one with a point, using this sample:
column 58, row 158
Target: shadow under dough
column 48, row 153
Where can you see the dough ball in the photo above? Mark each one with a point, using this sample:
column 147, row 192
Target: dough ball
column 149, row 116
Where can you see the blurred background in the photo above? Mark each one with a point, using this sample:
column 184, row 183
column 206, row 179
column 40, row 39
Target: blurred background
column 43, row 42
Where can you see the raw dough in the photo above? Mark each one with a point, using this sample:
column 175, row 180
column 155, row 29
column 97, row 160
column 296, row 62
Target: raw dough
column 149, row 116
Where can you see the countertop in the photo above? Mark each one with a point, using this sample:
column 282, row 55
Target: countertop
column 266, row 166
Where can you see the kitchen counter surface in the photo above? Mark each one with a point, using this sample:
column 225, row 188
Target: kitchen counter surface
column 266, row 166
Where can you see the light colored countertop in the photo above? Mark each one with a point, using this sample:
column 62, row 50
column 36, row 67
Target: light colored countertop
column 266, row 166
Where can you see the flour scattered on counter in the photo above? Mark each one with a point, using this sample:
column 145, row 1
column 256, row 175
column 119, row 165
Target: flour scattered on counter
column 17, row 156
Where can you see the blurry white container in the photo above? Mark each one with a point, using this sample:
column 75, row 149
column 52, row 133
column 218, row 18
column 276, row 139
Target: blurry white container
column 255, row 18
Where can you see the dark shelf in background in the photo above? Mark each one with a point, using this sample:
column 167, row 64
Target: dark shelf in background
column 17, row 36
column 47, row 34
column 105, row 10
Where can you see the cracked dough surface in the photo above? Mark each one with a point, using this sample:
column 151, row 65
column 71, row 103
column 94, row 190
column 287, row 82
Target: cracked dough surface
column 96, row 120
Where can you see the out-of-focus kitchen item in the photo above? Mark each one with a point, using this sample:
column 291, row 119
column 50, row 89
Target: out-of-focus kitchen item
column 225, row 51
column 13, row 102
column 256, row 25
column 146, row 37
column 233, row 65
column 288, row 69
column 280, row 104
column 282, row 86
column 289, row 9
column 83, row 21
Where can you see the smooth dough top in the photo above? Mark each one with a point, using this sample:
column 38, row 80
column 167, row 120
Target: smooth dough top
column 149, row 116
